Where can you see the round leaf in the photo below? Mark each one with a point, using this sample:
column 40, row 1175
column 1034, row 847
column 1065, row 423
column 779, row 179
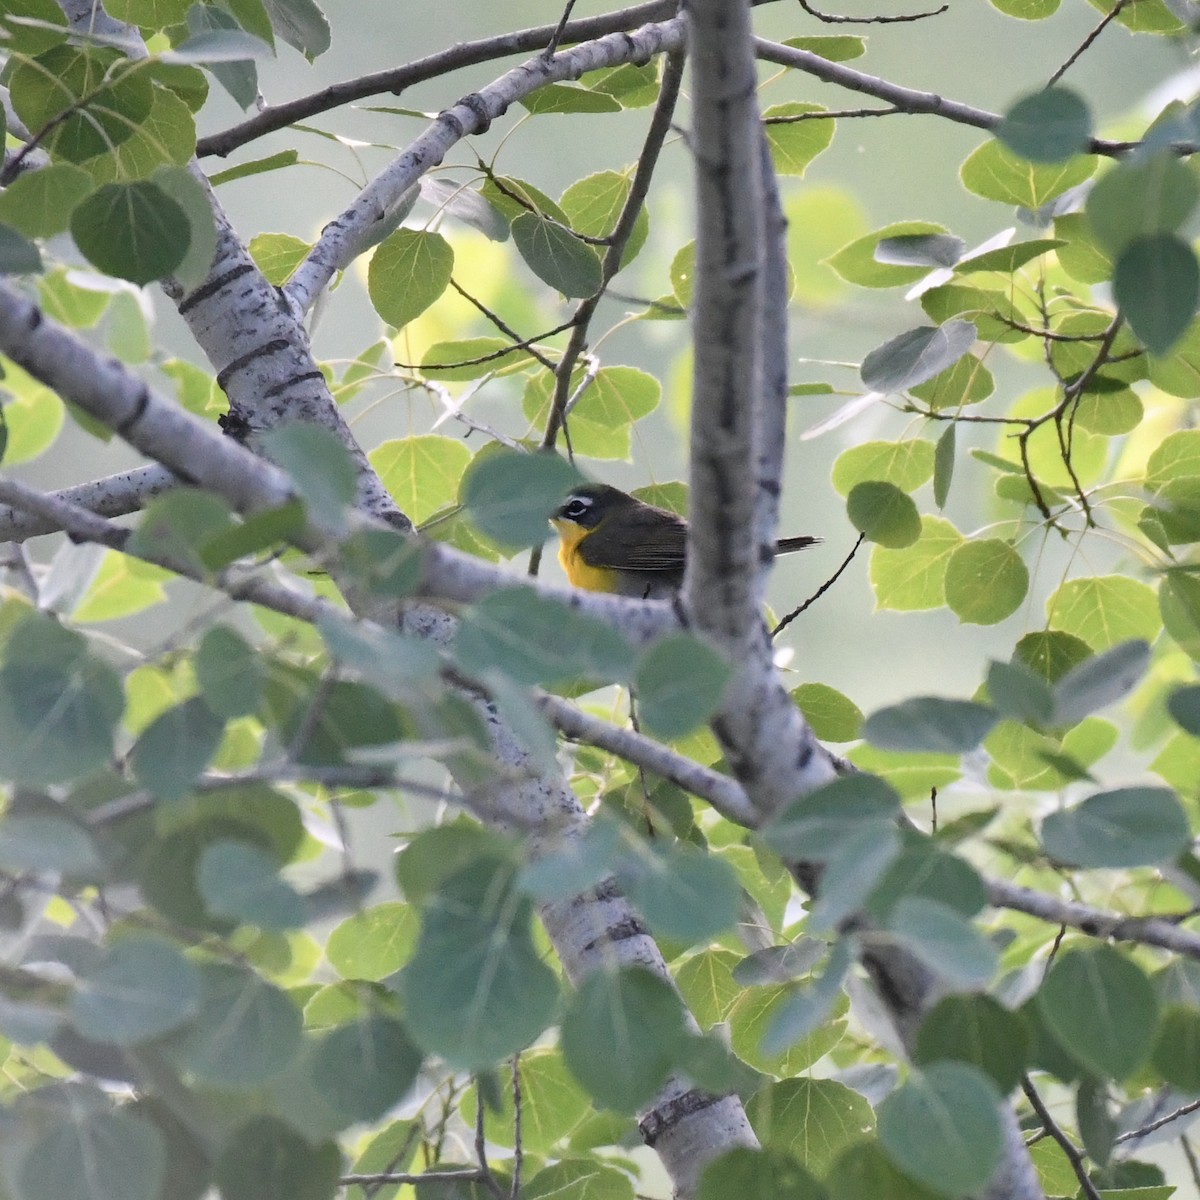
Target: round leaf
column 268, row 1160
column 363, row 1069
column 409, row 270
column 679, row 683
column 98, row 1155
column 916, row 356
column 620, row 1035
column 510, row 496
column 132, row 230
column 884, row 514
column 247, row 1030
column 1156, row 281
column 240, row 881
column 962, row 1105
column 1048, row 126
column 975, row 1030
column 1101, row 1009
column 1127, row 827
column 556, row 256
column 139, row 989
column 985, row 581
column 931, row 723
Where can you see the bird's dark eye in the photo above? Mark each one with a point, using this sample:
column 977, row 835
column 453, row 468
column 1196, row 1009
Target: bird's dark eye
column 576, row 508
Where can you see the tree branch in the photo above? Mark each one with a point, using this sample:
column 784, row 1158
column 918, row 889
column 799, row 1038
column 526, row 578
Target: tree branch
column 355, row 230
column 396, row 79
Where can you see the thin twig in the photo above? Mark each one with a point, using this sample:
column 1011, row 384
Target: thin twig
column 506, row 329
column 1183, row 1110
column 639, row 186
column 829, row 114
column 831, row 19
column 552, row 45
column 397, row 79
column 1108, row 17
column 821, row 590
column 514, row 1190
column 1065, row 1144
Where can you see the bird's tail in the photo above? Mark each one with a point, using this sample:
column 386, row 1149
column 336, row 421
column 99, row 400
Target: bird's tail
column 787, row 545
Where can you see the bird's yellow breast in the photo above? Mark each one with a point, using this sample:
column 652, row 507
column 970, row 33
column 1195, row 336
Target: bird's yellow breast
column 581, row 574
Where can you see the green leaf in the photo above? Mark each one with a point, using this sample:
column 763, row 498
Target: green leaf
column 679, row 683
column 365, row 1068
column 1156, row 282
column 240, row 881
column 601, row 420
column 176, row 748
column 884, row 514
column 1126, row 827
column 534, row 639
column 620, row 1035
column 509, row 496
column 1050, row 653
column 928, row 250
column 59, row 706
column 276, row 254
column 832, row 48
column 979, row 1031
column 1048, row 126
column 930, row 723
column 1104, row 610
column 1100, row 681
column 177, row 183
column 817, row 826
column 862, row 1169
column 916, row 356
column 1017, row 691
column 267, row 1160
column 229, row 672
column 384, row 562
column 476, row 990
column 813, row 1119
column 1177, row 1049
column 833, row 717
column 374, row 943
column 95, row 1154
column 422, row 473
column 47, row 843
column 587, row 1178
column 552, row 1104
column 409, row 270
column 39, row 203
column 594, row 204
column 907, row 464
column 1184, row 706
column 858, row 263
column 132, row 230
column 301, row 24
column 913, row 578
column 944, row 941
column 794, row 144
column 985, row 581
column 682, row 893
column 1101, row 1009
column 321, row 468
column 995, row 173
column 943, row 465
column 963, row 1105
column 140, row 988
column 556, row 256
column 924, row 870
column 397, row 664
column 851, row 874
column 1141, row 196
column 246, row 1031
column 567, row 98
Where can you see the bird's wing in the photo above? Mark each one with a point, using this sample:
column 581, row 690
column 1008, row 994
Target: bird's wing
column 647, row 541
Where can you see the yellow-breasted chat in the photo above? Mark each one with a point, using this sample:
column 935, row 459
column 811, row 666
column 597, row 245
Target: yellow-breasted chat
column 610, row 541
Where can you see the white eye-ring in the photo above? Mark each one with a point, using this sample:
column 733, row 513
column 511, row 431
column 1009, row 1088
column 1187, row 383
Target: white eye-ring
column 576, row 507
